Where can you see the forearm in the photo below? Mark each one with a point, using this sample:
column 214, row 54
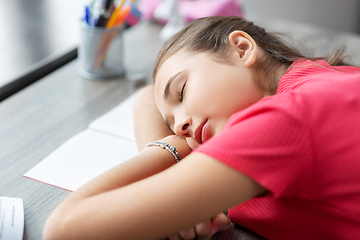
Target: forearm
column 149, row 125
column 150, row 161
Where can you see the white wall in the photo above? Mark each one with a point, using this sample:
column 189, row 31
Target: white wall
column 342, row 15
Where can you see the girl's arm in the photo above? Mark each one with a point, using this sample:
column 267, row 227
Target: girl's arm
column 149, row 125
column 192, row 191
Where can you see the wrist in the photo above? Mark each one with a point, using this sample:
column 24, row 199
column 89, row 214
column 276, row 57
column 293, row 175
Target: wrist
column 175, row 146
column 179, row 143
column 167, row 147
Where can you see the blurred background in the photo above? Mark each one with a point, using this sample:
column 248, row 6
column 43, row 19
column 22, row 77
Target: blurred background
column 341, row 15
column 36, row 33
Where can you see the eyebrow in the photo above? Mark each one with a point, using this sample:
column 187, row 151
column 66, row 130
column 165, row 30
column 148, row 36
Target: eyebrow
column 168, row 84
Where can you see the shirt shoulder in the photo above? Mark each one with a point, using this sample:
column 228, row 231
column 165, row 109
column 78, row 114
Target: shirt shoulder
column 269, row 142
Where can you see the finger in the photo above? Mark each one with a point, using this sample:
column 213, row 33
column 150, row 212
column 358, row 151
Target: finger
column 187, row 233
column 192, row 143
column 174, row 236
column 220, row 223
column 203, row 230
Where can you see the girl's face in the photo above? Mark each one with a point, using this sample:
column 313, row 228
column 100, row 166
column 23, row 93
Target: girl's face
column 196, row 95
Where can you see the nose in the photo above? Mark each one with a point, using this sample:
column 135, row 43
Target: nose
column 182, row 127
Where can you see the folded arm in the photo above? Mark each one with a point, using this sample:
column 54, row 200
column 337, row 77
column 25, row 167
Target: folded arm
column 192, row 191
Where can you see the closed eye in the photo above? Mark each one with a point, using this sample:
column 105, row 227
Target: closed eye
column 181, row 93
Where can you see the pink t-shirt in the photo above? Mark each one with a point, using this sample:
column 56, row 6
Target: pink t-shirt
column 303, row 145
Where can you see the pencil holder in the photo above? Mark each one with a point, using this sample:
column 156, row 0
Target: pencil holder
column 100, row 52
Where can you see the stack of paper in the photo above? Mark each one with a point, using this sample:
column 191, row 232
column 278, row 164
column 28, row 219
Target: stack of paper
column 108, row 141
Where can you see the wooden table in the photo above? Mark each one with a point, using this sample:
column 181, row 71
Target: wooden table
column 38, row 119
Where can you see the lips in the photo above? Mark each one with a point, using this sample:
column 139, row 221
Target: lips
column 201, row 132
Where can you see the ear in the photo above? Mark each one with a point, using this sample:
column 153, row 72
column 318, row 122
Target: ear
column 244, row 46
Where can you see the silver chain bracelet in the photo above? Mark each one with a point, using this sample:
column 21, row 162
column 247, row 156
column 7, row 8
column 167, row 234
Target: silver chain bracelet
column 168, row 147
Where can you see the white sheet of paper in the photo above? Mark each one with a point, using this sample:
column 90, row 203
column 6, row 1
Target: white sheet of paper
column 118, row 121
column 107, row 142
column 11, row 218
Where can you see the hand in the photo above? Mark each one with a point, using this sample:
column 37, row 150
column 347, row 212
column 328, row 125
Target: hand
column 192, row 143
column 204, row 230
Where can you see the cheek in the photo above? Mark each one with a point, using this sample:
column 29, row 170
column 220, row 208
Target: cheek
column 216, row 99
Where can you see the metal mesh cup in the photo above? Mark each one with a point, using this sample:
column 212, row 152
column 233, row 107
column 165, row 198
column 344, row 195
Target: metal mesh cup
column 100, row 52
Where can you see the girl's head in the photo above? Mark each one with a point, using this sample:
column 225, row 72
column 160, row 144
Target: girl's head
column 211, row 35
column 205, row 74
column 213, row 68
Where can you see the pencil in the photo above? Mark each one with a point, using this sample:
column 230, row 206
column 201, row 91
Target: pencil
column 107, row 41
column 114, row 15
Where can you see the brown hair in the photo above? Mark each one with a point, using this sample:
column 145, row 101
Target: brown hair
column 211, row 34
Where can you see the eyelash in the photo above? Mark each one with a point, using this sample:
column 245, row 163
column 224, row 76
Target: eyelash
column 181, row 93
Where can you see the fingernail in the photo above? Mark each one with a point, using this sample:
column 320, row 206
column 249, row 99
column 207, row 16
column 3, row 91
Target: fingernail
column 214, row 230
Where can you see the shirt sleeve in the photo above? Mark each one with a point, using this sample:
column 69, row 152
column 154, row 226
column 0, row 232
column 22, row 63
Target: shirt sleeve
column 269, row 143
